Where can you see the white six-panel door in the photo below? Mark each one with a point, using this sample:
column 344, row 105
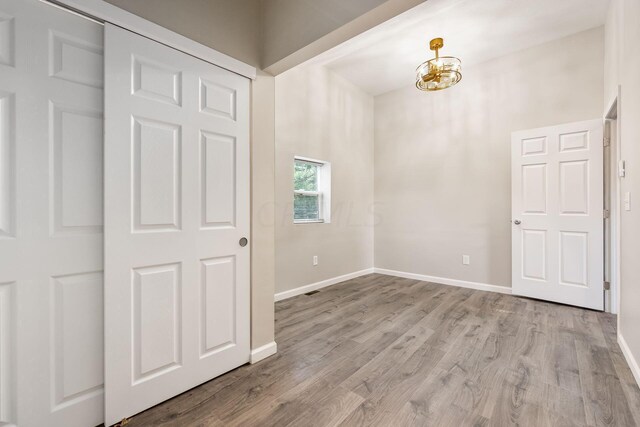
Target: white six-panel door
column 176, row 208
column 557, row 213
column 51, row 219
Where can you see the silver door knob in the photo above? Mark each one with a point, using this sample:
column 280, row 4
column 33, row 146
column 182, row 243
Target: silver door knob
column 517, row 222
column 243, row 242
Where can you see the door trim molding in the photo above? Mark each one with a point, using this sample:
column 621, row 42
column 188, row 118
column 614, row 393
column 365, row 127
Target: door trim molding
column 446, row 281
column 105, row 12
column 613, row 113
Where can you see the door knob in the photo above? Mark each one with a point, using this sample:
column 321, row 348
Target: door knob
column 243, row 242
column 517, row 222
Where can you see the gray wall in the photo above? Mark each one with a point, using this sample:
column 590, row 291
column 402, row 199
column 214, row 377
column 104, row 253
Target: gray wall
column 262, row 211
column 292, row 24
column 623, row 68
column 298, row 30
column 322, row 116
column 442, row 160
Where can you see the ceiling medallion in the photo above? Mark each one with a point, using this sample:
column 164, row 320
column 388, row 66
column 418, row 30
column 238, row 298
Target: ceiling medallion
column 440, row 72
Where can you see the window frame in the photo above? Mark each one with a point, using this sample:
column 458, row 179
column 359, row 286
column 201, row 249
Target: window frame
column 323, row 192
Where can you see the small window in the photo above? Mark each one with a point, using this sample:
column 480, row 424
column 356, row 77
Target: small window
column 311, row 190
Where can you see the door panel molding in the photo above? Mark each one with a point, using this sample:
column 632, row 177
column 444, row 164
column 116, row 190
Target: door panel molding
column 51, row 217
column 176, row 205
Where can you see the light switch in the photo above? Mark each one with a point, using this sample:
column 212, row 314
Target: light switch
column 627, row 201
column 465, row 260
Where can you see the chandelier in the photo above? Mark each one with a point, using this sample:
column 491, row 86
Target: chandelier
column 440, row 72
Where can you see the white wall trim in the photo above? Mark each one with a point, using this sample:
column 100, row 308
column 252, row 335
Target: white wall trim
column 631, row 361
column 445, row 281
column 106, row 12
column 613, row 113
column 263, row 352
column 319, row 285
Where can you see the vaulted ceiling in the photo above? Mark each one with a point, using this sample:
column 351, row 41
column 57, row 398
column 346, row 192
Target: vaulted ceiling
column 385, row 57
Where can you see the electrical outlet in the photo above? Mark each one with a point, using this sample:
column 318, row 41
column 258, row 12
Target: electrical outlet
column 315, row 260
column 466, row 260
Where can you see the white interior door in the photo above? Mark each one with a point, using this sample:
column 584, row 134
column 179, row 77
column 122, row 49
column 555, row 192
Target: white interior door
column 557, row 208
column 51, row 142
column 176, row 208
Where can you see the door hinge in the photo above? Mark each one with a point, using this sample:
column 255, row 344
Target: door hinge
column 606, row 214
column 607, row 286
column 606, row 141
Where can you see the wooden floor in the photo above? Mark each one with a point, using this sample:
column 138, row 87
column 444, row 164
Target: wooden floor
column 381, row 350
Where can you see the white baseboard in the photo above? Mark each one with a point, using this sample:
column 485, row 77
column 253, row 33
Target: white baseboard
column 631, row 361
column 319, row 285
column 445, row 281
column 263, row 352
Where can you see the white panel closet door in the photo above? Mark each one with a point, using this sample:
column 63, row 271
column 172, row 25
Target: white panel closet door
column 557, row 203
column 51, row 142
column 176, row 207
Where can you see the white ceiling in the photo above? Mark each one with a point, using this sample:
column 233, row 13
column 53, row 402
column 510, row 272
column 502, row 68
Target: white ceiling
column 385, row 57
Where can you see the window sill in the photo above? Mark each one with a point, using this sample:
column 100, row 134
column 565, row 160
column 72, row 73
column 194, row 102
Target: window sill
column 308, row 221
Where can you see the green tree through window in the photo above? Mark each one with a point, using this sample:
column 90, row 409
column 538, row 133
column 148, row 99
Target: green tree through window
column 306, row 199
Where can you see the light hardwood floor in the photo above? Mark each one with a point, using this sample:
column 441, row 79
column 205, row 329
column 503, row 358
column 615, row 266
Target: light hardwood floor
column 381, row 350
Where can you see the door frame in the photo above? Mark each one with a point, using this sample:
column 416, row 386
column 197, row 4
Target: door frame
column 612, row 247
column 101, row 11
